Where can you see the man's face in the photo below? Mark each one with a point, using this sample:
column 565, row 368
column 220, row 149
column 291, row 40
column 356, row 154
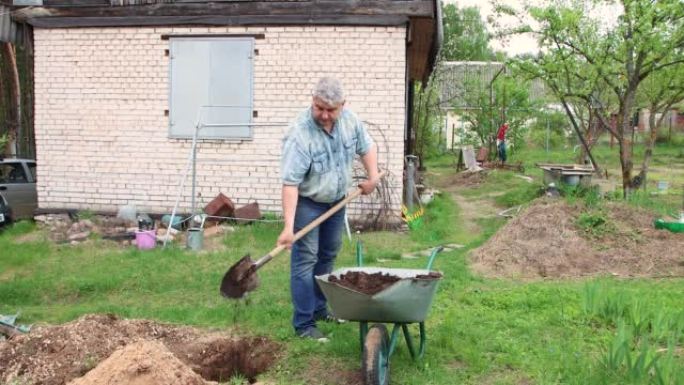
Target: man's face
column 325, row 114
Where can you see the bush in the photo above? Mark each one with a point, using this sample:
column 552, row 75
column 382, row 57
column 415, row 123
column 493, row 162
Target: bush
column 538, row 139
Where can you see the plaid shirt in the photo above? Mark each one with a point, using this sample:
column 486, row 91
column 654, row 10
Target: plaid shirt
column 320, row 164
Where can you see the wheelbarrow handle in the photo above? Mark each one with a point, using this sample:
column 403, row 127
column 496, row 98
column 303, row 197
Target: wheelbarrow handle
column 435, row 251
column 299, row 234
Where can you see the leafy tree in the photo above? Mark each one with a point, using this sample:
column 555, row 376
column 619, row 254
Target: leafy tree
column 465, row 35
column 465, row 39
column 659, row 93
column 548, row 129
column 582, row 55
column 426, row 119
column 505, row 98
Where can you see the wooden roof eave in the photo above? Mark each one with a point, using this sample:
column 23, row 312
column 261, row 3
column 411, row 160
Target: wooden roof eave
column 227, row 13
column 424, row 43
column 215, row 20
column 423, row 16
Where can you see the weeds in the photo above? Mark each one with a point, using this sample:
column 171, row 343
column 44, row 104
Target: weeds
column 85, row 214
column 237, row 379
column 636, row 353
column 595, row 223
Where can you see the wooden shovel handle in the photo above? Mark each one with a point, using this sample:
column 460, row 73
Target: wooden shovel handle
column 263, row 260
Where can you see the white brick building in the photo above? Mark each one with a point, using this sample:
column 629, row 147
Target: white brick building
column 112, row 110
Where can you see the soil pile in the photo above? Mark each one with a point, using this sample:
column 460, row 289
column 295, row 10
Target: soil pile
column 430, row 275
column 141, row 363
column 546, row 240
column 55, row 355
column 363, row 282
column 467, row 179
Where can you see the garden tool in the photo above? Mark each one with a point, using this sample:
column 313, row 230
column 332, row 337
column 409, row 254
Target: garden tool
column 242, row 278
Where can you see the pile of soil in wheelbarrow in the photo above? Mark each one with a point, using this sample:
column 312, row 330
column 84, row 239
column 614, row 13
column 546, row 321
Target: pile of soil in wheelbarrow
column 363, row 282
column 141, row 352
column 373, row 283
column 555, row 239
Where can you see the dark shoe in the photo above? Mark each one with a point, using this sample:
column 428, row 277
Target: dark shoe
column 329, row 318
column 313, row 333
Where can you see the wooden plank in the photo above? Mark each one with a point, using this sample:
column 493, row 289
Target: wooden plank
column 312, row 9
column 571, row 166
column 76, row 22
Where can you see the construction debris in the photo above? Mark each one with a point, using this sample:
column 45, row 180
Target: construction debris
column 9, row 328
column 248, row 212
column 510, row 212
column 221, row 206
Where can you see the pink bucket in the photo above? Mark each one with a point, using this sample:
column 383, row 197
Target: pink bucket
column 145, row 239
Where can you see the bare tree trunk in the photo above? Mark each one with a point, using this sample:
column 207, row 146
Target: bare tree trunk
column 625, row 142
column 9, row 56
column 593, row 132
column 580, row 136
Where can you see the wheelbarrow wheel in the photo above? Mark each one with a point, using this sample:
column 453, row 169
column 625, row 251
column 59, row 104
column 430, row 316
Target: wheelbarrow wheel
column 376, row 356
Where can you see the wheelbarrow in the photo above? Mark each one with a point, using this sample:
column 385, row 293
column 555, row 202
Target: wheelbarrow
column 405, row 302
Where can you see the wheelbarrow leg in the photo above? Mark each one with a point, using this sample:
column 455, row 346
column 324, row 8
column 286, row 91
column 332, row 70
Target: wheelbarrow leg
column 409, row 340
column 363, row 331
column 394, row 337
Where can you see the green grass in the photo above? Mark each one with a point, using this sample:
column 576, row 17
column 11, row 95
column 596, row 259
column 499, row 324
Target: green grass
column 480, row 331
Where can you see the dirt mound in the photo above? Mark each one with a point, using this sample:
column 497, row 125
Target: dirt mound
column 54, row 355
column 141, row 363
column 467, row 178
column 545, row 240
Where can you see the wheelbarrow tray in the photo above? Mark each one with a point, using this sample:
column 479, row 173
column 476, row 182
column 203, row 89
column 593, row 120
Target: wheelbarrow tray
column 407, row 300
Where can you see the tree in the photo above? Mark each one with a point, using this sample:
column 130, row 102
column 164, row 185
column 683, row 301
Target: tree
column 465, row 35
column 426, row 118
column 502, row 99
column 659, row 93
column 582, row 55
column 13, row 112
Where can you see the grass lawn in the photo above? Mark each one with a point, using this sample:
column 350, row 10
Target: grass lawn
column 480, row 331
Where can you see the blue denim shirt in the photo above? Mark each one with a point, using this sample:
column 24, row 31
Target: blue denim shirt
column 320, row 164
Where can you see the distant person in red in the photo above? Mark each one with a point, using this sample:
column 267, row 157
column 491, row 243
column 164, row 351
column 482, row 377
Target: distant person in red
column 501, row 142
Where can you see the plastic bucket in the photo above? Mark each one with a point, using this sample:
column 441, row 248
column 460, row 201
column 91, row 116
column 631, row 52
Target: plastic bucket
column 571, row 180
column 195, row 238
column 146, row 239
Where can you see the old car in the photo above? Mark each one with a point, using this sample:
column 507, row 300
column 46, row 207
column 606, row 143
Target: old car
column 18, row 186
column 5, row 212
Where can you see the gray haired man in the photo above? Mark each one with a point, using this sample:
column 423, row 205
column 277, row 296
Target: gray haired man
column 316, row 170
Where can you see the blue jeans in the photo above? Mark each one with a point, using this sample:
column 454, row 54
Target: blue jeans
column 313, row 254
column 502, row 150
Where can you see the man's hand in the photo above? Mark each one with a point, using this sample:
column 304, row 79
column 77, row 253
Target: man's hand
column 286, row 238
column 368, row 186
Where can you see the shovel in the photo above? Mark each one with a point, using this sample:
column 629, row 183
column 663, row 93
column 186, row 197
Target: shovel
column 242, row 278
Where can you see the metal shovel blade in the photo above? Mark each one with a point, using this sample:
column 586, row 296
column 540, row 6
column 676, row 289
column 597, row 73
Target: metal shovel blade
column 240, row 278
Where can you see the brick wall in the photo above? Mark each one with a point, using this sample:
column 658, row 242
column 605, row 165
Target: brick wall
column 102, row 133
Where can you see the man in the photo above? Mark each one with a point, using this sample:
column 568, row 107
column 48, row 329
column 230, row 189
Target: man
column 316, row 170
column 501, row 142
